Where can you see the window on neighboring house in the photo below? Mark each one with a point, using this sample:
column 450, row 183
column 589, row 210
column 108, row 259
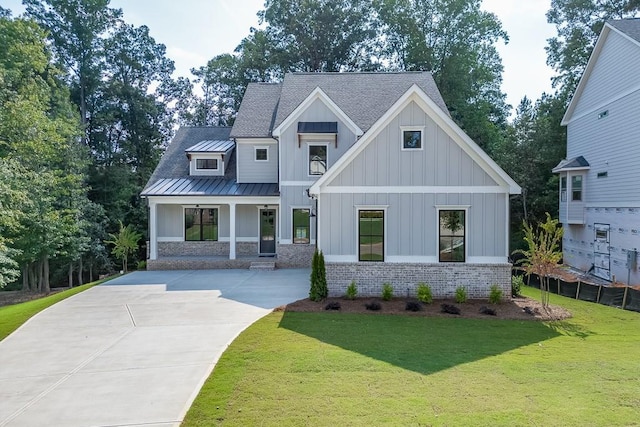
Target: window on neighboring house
column 576, row 188
column 262, row 154
column 211, row 164
column 563, row 189
column 317, row 159
column 371, row 235
column 200, row 224
column 301, row 227
column 411, row 138
column 452, row 233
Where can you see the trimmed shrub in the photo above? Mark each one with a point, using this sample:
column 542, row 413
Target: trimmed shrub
column 495, row 294
column 517, row 282
column 352, row 290
column 333, row 305
column 387, row 291
column 413, row 306
column 448, row 308
column 319, row 289
column 373, row 306
column 424, row 293
column 461, row 295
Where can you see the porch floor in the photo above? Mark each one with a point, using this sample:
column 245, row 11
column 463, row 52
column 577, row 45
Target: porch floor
column 206, row 262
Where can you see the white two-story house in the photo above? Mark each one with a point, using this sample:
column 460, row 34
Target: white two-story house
column 368, row 167
column 600, row 178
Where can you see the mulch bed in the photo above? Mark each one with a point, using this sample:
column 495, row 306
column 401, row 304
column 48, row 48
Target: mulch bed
column 520, row 308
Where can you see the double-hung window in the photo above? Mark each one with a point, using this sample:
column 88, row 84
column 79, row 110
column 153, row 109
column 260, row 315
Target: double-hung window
column 563, row 189
column 200, row 224
column 576, row 188
column 451, row 228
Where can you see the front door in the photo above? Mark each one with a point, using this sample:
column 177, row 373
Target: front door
column 267, row 231
column 602, row 252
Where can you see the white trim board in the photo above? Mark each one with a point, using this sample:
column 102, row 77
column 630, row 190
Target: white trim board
column 368, row 189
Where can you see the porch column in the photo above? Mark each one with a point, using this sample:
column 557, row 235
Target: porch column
column 153, row 230
column 232, row 231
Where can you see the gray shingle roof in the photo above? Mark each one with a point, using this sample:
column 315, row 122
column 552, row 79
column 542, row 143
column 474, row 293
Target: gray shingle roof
column 174, row 162
column 574, row 163
column 208, row 146
column 257, row 110
column 364, row 97
column 630, row 27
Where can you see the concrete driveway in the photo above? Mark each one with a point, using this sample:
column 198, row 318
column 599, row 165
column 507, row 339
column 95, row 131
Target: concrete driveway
column 133, row 351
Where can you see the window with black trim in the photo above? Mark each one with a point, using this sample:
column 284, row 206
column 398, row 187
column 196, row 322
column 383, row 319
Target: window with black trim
column 262, row 154
column 200, row 224
column 563, row 189
column 452, row 233
column 576, row 188
column 371, row 235
column 301, row 226
column 211, row 164
column 412, row 139
column 317, row 159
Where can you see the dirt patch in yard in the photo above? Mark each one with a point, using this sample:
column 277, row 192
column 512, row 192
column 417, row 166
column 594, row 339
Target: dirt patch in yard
column 520, row 308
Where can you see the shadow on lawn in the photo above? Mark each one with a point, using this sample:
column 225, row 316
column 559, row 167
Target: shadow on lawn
column 424, row 345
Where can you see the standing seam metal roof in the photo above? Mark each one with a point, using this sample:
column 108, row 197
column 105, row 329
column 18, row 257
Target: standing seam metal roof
column 208, row 146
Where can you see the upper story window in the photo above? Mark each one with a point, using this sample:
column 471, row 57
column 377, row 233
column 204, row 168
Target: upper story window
column 317, row 159
column 576, row 188
column 207, row 164
column 412, row 137
column 262, row 154
column 563, row 189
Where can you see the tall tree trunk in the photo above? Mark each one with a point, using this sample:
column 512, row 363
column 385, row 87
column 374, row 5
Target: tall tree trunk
column 90, row 271
column 40, row 275
column 70, row 275
column 25, row 277
column 46, row 288
column 80, row 271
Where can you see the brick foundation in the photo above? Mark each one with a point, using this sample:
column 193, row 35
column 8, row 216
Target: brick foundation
column 295, row 256
column 404, row 277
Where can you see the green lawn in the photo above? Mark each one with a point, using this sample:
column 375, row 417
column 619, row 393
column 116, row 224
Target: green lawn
column 334, row 369
column 13, row 316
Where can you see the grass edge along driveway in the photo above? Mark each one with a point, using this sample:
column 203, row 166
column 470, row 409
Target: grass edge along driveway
column 14, row 316
column 340, row 369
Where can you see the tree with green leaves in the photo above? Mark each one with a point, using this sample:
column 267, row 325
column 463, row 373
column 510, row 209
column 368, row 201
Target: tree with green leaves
column 318, row 290
column 454, row 40
column 543, row 252
column 124, row 243
column 578, row 23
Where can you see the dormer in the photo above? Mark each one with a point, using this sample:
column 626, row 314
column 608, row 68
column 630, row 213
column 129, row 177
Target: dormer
column 209, row 158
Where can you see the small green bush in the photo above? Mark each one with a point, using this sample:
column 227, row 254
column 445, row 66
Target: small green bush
column 424, row 293
column 517, row 282
column 352, row 290
column 318, row 290
column 387, row 291
column 461, row 295
column 495, row 294
column 141, row 265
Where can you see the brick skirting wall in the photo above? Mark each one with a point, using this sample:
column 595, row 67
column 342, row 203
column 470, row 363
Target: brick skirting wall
column 173, row 249
column 295, row 256
column 442, row 278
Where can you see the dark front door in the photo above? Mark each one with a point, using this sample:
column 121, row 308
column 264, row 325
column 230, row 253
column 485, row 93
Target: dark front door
column 267, row 231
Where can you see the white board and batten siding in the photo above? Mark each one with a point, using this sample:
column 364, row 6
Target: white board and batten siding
column 252, row 171
column 294, row 171
column 411, row 185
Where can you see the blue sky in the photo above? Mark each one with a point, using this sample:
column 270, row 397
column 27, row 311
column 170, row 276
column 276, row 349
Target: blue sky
column 195, row 31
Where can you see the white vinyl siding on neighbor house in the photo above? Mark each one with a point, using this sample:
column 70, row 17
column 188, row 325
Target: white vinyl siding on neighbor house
column 255, row 172
column 609, row 145
column 615, row 72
